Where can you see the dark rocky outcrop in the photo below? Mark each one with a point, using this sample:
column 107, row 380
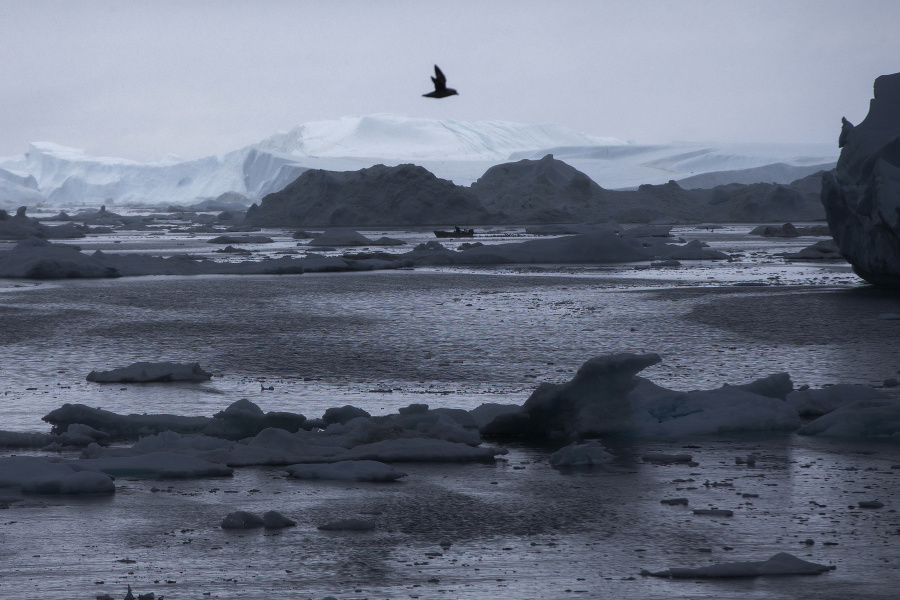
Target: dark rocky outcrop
column 525, row 192
column 539, row 191
column 402, row 195
column 862, row 194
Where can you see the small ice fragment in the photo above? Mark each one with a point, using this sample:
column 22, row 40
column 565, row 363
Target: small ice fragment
column 675, row 501
column 713, row 512
column 666, row 459
column 241, row 519
column 275, row 520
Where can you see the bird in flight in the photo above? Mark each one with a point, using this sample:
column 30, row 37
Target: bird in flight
column 440, row 86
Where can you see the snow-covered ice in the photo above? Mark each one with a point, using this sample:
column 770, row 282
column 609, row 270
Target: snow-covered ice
column 457, row 150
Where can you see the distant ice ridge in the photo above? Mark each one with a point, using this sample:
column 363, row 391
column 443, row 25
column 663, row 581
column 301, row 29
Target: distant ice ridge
column 454, row 150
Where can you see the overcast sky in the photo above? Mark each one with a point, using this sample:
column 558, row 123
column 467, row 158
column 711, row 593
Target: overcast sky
column 195, row 78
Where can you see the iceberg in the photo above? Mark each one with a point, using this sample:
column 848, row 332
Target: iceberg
column 51, row 174
column 607, row 398
column 862, row 194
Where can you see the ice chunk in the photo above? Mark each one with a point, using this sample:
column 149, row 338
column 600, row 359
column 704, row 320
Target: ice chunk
column 275, row 520
column 862, row 418
column 605, row 397
column 241, row 519
column 594, row 403
column 77, row 483
column 244, row 419
column 714, row 512
column 35, row 258
column 343, row 414
column 41, row 476
column 155, row 465
column 347, row 470
column 581, row 455
column 145, row 372
column 17, row 439
column 122, row 426
column 341, row 236
column 815, row 403
column 780, row 564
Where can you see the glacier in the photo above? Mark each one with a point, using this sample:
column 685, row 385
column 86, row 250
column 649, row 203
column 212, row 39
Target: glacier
column 48, row 174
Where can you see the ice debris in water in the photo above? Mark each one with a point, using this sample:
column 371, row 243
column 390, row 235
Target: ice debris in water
column 347, row 470
column 581, row 455
column 148, row 372
column 41, row 476
column 780, row 564
column 606, row 397
column 241, row 519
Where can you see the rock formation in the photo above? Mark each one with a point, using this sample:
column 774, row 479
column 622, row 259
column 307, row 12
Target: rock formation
column 380, row 195
column 862, row 194
column 525, row 192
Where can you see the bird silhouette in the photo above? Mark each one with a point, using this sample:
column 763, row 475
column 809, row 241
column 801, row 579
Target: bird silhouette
column 440, row 86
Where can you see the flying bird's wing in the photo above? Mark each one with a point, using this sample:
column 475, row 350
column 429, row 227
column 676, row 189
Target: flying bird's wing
column 440, row 82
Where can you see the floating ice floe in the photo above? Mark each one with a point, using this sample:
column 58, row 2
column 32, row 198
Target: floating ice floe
column 780, row 564
column 415, row 434
column 815, row 403
column 821, row 250
column 344, row 236
column 122, row 426
column 41, row 476
column 347, row 470
column 154, row 465
column 240, row 420
column 862, row 418
column 607, row 398
column 241, row 519
column 148, row 372
column 35, row 258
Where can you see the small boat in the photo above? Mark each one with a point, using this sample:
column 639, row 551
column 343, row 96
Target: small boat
column 457, row 232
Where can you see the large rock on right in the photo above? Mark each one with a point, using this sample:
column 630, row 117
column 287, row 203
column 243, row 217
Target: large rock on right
column 862, row 194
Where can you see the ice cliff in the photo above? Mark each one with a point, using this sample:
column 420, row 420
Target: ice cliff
column 455, row 150
column 862, row 195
